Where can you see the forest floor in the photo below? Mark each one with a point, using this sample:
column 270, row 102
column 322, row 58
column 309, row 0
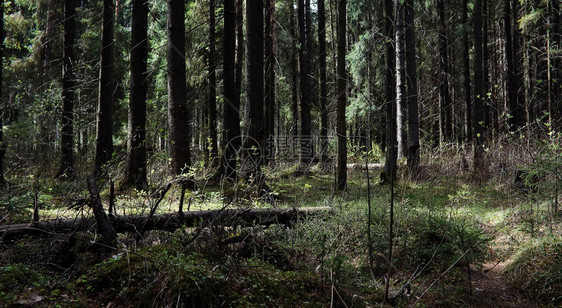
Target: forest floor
column 489, row 289
column 443, row 224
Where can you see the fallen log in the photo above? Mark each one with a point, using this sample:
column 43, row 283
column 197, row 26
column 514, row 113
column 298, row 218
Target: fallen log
column 364, row 167
column 164, row 222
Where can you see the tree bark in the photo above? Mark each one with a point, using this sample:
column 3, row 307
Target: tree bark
column 518, row 65
column 400, row 82
column 67, row 130
column 136, row 141
column 231, row 117
column 444, row 94
column 3, row 182
column 240, row 49
column 254, row 116
column 466, row 74
column 515, row 120
column 104, row 226
column 269, row 80
column 323, row 83
column 104, row 131
column 341, row 97
column 178, row 115
column 489, row 110
column 556, row 44
column 212, row 63
column 294, row 72
column 306, row 148
column 413, row 154
column 390, row 89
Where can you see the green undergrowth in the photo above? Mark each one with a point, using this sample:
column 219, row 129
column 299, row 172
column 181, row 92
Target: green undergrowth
column 537, row 269
column 169, row 275
column 441, row 227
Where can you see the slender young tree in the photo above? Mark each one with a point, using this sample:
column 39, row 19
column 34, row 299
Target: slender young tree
column 392, row 150
column 488, row 109
column 67, row 130
column 212, row 84
column 136, row 130
column 306, row 149
column 466, row 73
column 231, row 116
column 478, row 88
column 556, row 67
column 104, row 131
column 413, row 154
column 254, row 116
column 444, row 94
column 323, row 82
column 3, row 182
column 400, row 81
column 177, row 92
column 341, row 174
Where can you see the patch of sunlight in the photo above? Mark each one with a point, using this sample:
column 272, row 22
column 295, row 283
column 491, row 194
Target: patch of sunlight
column 63, row 212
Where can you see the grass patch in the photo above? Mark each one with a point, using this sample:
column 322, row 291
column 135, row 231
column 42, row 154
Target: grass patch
column 537, row 270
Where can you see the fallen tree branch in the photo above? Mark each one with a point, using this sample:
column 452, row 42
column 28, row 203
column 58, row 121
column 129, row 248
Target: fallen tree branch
column 109, row 236
column 361, row 166
column 165, row 222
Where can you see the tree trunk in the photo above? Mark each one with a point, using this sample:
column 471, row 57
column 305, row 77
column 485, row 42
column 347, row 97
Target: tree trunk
column 488, row 109
column 515, row 120
column 269, row 80
column 104, row 131
column 553, row 45
column 306, row 148
column 556, row 44
column 294, row 71
column 400, row 82
column 412, row 88
column 177, row 92
column 466, row 73
column 518, row 66
column 67, row 130
column 254, row 116
column 478, row 88
column 390, row 89
column 239, row 64
column 167, row 222
column 231, row 117
column 212, row 85
column 444, row 94
column 323, row 83
column 342, row 97
column 3, row 182
column 136, row 144
column 104, row 226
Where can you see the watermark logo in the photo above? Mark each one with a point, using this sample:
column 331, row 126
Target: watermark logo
column 282, row 149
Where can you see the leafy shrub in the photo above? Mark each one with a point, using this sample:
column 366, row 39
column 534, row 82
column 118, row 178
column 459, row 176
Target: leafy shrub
column 15, row 279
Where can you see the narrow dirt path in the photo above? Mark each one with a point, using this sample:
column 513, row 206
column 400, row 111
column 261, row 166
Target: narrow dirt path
column 489, row 289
